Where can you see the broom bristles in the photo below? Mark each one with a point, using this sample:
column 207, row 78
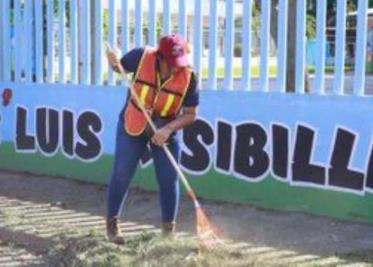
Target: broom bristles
column 206, row 232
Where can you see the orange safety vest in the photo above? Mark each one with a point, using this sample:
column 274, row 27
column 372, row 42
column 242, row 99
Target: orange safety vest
column 163, row 100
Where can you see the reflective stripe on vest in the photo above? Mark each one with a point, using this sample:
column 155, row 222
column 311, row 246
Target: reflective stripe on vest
column 144, row 93
column 166, row 108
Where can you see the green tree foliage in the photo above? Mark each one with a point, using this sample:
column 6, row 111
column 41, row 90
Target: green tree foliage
column 351, row 5
column 311, row 26
column 67, row 8
column 331, row 13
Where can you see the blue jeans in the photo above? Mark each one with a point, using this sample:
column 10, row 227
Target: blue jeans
column 128, row 152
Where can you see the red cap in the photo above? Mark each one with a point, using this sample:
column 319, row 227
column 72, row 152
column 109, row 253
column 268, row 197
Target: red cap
column 173, row 48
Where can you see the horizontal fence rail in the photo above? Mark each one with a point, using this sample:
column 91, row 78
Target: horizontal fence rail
column 235, row 44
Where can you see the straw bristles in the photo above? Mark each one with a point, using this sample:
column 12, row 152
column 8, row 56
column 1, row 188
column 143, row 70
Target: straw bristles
column 206, row 232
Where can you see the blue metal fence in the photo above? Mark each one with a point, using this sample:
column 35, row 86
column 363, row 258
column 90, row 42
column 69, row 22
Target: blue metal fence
column 320, row 47
column 282, row 45
column 39, row 45
column 340, row 44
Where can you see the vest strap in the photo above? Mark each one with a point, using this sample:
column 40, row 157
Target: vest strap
column 146, row 82
column 171, row 92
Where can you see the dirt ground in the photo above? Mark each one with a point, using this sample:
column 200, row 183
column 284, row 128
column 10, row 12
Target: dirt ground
column 36, row 210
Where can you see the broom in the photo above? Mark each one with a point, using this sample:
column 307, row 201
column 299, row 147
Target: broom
column 205, row 231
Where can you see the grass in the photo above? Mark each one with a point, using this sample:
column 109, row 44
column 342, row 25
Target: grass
column 152, row 250
column 146, row 249
column 12, row 217
column 237, row 71
column 330, row 68
column 79, row 247
column 364, row 256
column 255, row 71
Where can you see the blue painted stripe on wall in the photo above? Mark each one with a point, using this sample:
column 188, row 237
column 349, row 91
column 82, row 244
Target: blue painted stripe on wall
column 315, row 108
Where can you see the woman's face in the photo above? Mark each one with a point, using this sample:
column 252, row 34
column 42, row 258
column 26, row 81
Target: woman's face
column 171, row 69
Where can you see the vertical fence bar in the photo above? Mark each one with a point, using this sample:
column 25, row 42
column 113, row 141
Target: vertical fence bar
column 39, row 41
column 166, row 17
column 1, row 42
column 50, row 42
column 138, row 23
column 300, row 60
column 183, row 19
column 6, row 45
column 213, row 28
column 197, row 40
column 85, row 49
column 112, row 34
column 74, row 41
column 17, row 19
column 264, row 43
column 125, row 31
column 29, row 37
column 124, row 27
column 61, row 40
column 152, row 21
column 340, row 44
column 229, row 39
column 319, row 85
column 361, row 47
column 246, row 44
column 282, row 45
column 98, row 40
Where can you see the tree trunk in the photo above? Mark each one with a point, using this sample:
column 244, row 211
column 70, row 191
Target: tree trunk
column 291, row 41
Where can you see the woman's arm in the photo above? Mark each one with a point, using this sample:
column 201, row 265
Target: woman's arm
column 129, row 61
column 187, row 117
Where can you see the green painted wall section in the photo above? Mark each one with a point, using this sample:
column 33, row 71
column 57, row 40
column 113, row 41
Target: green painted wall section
column 57, row 165
column 269, row 193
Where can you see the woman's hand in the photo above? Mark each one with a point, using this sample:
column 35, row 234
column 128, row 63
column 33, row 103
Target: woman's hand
column 113, row 59
column 161, row 135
